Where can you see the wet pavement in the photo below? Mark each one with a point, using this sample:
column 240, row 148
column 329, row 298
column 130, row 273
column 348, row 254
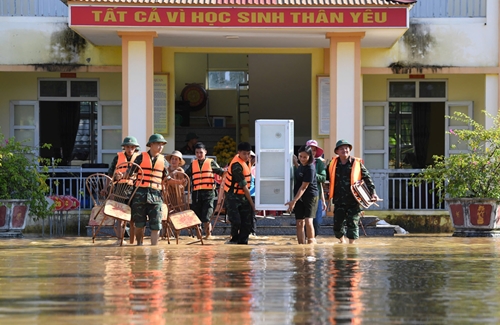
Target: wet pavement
column 411, row 279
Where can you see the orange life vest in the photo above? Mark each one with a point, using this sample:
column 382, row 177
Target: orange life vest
column 203, row 179
column 246, row 173
column 355, row 172
column 152, row 174
column 122, row 158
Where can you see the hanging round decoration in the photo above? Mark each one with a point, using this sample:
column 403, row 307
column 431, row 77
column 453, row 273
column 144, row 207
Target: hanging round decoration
column 196, row 95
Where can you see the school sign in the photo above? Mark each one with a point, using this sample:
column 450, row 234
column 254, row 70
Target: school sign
column 238, row 17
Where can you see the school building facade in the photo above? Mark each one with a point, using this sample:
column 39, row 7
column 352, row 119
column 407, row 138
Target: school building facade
column 382, row 74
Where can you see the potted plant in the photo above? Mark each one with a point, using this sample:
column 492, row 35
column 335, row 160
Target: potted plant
column 469, row 181
column 23, row 187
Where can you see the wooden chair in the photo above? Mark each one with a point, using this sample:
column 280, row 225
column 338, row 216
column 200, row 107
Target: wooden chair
column 126, row 180
column 177, row 194
column 99, row 187
column 219, row 208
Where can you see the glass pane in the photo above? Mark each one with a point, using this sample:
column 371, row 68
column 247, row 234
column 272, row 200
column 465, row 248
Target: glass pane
column 432, row 89
column 83, row 88
column 272, row 164
column 24, row 115
column 462, row 109
column 111, row 139
column 458, row 146
column 272, row 192
column 25, row 135
column 374, row 161
column 374, row 140
column 274, row 136
column 111, row 115
column 225, row 79
column 404, row 89
column 107, row 158
column 53, row 88
column 374, row 115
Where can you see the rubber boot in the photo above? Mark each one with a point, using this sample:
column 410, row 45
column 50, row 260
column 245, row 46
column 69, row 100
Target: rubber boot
column 139, row 236
column 155, row 234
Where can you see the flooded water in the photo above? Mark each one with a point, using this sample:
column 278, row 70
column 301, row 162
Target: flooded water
column 399, row 280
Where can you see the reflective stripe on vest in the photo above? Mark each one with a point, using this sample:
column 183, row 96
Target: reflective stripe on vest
column 355, row 173
column 203, row 179
column 122, row 158
column 152, row 175
column 246, row 173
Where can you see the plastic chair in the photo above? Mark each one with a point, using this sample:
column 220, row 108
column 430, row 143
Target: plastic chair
column 99, row 187
column 177, row 195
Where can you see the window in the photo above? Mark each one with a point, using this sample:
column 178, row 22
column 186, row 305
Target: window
column 419, row 89
column 61, row 88
column 416, row 120
column 226, row 79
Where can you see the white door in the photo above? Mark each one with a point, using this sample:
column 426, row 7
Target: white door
column 109, row 130
column 451, row 144
column 274, row 164
column 376, row 135
column 376, row 146
column 24, row 122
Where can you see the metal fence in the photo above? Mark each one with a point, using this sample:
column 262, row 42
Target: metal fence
column 396, row 189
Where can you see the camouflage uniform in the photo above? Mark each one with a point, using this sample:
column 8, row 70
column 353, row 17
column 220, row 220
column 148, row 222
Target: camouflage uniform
column 203, row 200
column 147, row 202
column 239, row 210
column 347, row 210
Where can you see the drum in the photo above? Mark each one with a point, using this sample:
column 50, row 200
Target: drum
column 362, row 194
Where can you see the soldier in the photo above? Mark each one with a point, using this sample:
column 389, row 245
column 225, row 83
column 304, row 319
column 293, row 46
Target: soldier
column 239, row 204
column 191, row 140
column 130, row 152
column 344, row 171
column 147, row 200
column 201, row 171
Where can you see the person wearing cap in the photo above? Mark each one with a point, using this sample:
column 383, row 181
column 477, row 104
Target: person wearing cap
column 239, row 204
column 201, row 171
column 191, row 140
column 344, row 171
column 320, row 167
column 147, row 201
column 130, row 152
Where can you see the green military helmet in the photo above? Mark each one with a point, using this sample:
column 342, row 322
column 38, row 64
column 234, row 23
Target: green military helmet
column 342, row 143
column 131, row 141
column 156, row 138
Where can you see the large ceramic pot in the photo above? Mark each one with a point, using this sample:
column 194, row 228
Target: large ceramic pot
column 475, row 217
column 13, row 217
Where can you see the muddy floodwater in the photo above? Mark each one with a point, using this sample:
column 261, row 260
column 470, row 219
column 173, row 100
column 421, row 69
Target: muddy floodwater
column 426, row 279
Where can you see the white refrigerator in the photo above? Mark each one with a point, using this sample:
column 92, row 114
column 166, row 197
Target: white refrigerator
column 274, row 164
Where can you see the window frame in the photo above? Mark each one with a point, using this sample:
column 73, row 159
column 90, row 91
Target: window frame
column 68, row 90
column 417, row 97
column 224, row 70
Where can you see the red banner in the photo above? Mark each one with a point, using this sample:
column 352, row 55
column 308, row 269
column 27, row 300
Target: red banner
column 237, row 17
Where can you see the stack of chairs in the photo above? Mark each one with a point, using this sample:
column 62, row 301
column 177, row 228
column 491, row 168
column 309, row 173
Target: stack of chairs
column 99, row 188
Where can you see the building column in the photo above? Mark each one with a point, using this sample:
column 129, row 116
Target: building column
column 137, row 85
column 491, row 99
column 345, row 90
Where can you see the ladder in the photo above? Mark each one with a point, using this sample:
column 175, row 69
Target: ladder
column 243, row 106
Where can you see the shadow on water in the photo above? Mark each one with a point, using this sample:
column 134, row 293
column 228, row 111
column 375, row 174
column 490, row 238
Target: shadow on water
column 400, row 280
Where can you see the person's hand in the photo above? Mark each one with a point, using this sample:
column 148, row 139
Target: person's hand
column 375, row 198
column 295, row 161
column 103, row 192
column 291, row 205
column 118, row 176
column 324, row 207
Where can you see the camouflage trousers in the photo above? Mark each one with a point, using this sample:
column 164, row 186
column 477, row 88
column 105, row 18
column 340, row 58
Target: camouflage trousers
column 145, row 205
column 240, row 214
column 203, row 204
column 346, row 216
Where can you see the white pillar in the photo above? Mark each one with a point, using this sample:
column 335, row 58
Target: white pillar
column 137, row 85
column 345, row 90
column 491, row 98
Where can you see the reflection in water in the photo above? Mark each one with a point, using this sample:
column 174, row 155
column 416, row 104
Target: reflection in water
column 402, row 280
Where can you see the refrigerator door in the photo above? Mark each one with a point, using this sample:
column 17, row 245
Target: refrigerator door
column 274, row 164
